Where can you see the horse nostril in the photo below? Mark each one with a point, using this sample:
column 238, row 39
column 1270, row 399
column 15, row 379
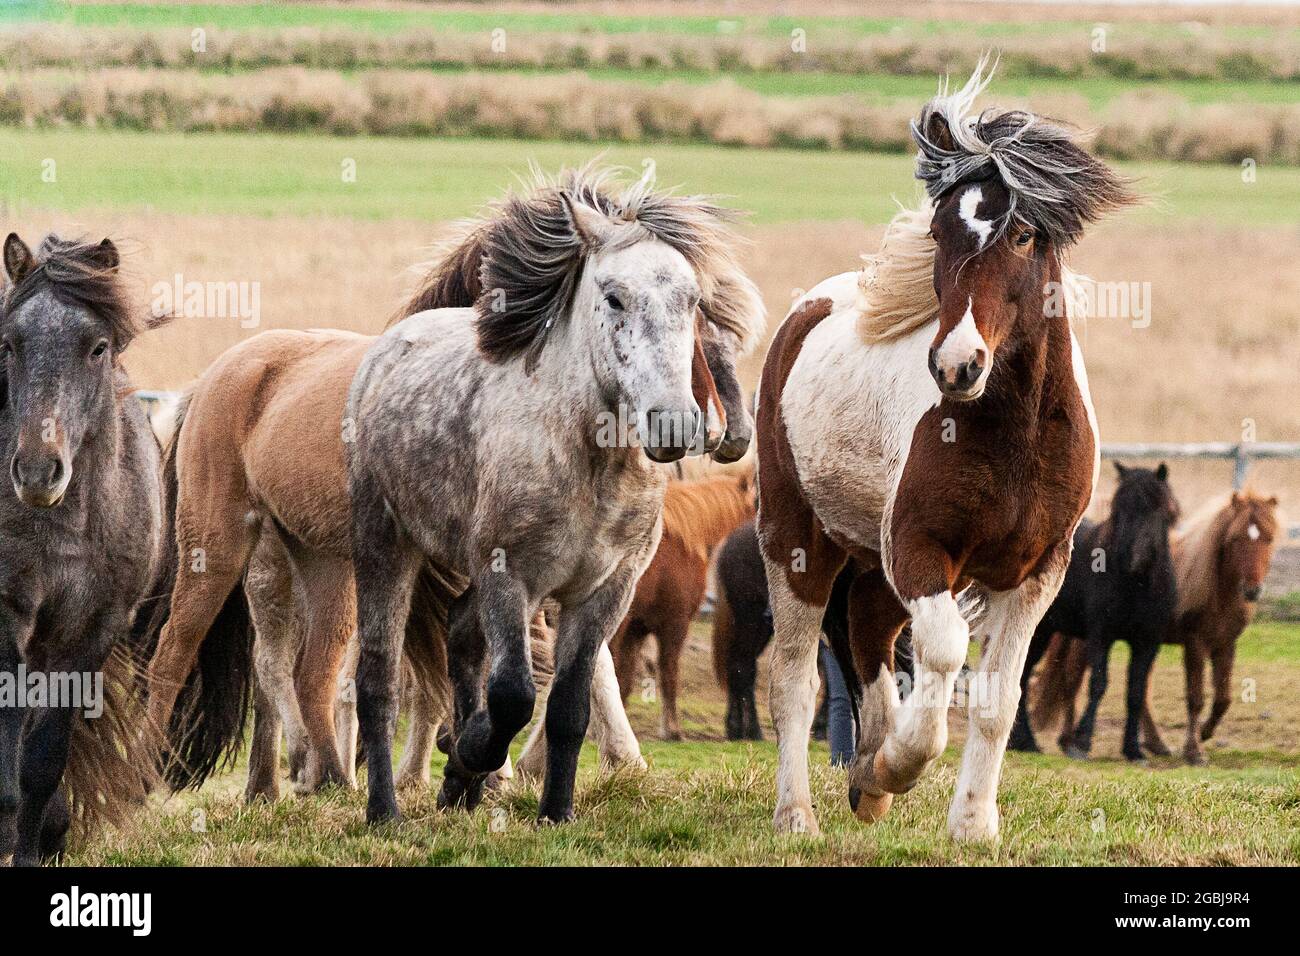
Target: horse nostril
column 56, row 472
column 1252, row 593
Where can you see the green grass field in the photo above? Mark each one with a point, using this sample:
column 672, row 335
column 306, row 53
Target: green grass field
column 709, row 802
column 434, row 180
column 253, row 16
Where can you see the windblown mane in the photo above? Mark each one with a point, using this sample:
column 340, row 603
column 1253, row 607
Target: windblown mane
column 700, row 514
column 77, row 273
column 1054, row 184
column 896, row 285
column 1198, row 544
column 519, row 263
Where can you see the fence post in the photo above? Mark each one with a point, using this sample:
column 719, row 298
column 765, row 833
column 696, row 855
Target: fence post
column 1241, row 462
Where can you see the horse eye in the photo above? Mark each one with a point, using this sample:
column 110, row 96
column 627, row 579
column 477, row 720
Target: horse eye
column 99, row 349
column 1025, row 237
column 614, row 302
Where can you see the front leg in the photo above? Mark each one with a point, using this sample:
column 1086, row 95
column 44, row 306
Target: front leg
column 995, row 697
column 1139, row 676
column 584, row 628
column 1194, row 671
column 46, row 739
column 1221, row 665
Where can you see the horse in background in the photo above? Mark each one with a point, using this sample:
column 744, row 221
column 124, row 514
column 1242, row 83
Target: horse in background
column 81, row 546
column 1120, row 586
column 1221, row 558
column 926, row 424
column 742, row 627
column 698, row 515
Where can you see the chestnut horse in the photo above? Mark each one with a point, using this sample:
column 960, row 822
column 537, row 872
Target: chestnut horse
column 926, row 424
column 258, row 476
column 1221, row 557
column 698, row 515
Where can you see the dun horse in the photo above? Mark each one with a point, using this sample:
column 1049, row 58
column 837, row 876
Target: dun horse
column 262, row 451
column 697, row 517
column 1120, row 586
column 927, row 425
column 80, row 546
column 1220, row 561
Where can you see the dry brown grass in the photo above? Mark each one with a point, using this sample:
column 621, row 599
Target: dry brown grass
column 1207, row 52
column 1225, row 311
column 1143, row 125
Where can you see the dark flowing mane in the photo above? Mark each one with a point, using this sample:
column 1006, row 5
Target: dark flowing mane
column 84, row 274
column 1055, row 185
column 519, row 264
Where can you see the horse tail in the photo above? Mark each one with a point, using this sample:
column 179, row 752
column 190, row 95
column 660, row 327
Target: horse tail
column 206, row 731
column 1059, row 676
column 425, row 640
column 724, row 636
column 835, row 625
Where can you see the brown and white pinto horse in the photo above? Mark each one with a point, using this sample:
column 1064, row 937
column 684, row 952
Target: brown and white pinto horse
column 923, row 427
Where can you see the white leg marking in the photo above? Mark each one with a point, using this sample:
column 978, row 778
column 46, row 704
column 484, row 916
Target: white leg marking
column 991, row 705
column 940, row 637
column 792, row 699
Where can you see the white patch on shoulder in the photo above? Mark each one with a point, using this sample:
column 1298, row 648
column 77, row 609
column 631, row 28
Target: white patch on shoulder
column 970, row 203
column 1253, row 533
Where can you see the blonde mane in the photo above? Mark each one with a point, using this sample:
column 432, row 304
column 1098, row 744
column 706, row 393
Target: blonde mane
column 1197, row 545
column 896, row 284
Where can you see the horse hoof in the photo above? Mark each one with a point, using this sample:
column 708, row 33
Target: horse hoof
column 797, row 819
column 1138, row 760
column 551, row 818
column 1195, row 758
column 1075, row 752
column 383, row 813
column 869, row 807
column 1158, row 749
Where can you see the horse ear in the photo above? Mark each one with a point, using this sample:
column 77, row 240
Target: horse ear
column 1272, row 501
column 592, row 226
column 1120, row 469
column 938, row 132
column 1162, row 472
column 1236, row 499
column 107, row 257
column 18, row 258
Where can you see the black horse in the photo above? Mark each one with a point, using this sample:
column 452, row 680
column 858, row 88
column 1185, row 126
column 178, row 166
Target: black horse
column 80, row 545
column 1119, row 587
column 742, row 628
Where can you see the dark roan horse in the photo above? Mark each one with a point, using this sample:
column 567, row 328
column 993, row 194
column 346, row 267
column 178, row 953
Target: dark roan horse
column 1119, row 586
column 79, row 548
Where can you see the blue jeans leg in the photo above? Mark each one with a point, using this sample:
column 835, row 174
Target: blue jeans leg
column 839, row 711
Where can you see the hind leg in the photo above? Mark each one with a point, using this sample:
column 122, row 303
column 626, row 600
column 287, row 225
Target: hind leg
column 1022, row 731
column 671, row 638
column 329, row 608
column 993, row 697
column 54, row 828
column 269, row 587
column 1098, row 650
column 345, row 710
column 875, row 617
column 413, row 769
column 1152, row 742
column 793, row 692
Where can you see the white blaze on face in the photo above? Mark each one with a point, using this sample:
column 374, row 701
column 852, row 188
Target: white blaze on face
column 970, row 203
column 959, row 347
column 1253, row 533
